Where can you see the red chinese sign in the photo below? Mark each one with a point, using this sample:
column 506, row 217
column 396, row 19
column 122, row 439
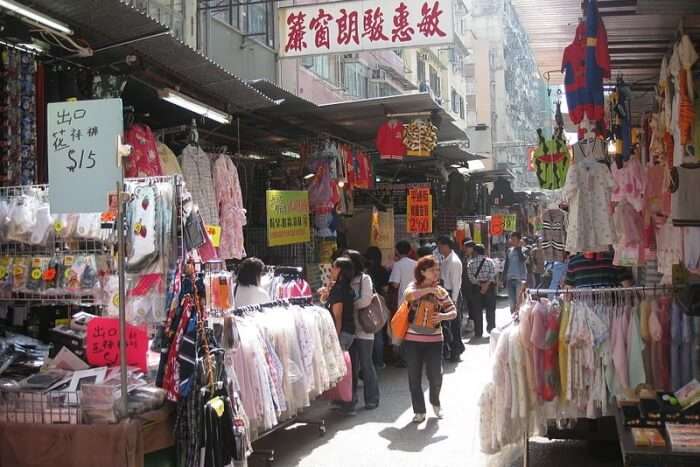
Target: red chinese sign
column 102, row 343
column 419, row 209
column 351, row 26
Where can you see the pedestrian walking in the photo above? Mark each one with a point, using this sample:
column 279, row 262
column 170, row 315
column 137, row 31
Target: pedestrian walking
column 451, row 278
column 515, row 270
column 482, row 278
column 429, row 306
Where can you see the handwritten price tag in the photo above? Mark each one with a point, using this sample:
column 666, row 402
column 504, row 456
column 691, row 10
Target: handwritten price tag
column 102, row 343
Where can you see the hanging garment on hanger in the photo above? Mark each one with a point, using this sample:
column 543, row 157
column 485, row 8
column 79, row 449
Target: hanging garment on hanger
column 143, row 160
column 196, row 167
column 168, row 160
column 552, row 164
column 553, row 234
column 588, row 189
column 232, row 213
column 389, row 141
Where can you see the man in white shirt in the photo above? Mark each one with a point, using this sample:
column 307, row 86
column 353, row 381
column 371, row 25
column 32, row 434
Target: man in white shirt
column 450, row 268
column 451, row 275
column 403, row 272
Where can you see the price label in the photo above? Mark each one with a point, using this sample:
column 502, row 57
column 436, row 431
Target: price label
column 214, row 232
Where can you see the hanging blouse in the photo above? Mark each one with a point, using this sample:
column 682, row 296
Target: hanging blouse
column 553, row 234
column 588, row 188
column 143, row 160
column 196, row 168
column 232, row 213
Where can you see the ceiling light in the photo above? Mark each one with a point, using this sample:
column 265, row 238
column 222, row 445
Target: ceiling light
column 309, row 176
column 341, row 183
column 35, row 16
column 193, row 105
column 291, row 154
column 33, row 48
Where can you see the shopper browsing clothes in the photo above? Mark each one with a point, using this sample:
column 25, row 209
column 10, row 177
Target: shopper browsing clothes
column 515, row 270
column 482, row 278
column 429, row 306
column 451, row 277
column 339, row 300
column 247, row 290
column 363, row 344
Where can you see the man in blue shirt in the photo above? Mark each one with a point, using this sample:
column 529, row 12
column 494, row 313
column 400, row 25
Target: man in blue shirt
column 515, row 270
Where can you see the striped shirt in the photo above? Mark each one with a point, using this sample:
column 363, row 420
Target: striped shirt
column 421, row 314
column 594, row 273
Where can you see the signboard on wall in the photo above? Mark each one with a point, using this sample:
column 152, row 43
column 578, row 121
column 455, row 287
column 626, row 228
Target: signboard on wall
column 287, row 217
column 419, row 209
column 353, row 26
column 82, row 153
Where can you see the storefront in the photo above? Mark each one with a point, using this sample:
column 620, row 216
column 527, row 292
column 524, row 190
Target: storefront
column 615, row 356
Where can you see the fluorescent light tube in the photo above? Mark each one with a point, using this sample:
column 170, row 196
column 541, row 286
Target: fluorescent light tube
column 35, row 16
column 193, row 105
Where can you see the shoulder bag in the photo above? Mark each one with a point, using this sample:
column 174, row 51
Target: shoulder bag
column 373, row 317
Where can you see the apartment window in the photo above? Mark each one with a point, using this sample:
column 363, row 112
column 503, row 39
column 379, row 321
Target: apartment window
column 435, row 82
column 355, row 79
column 420, row 63
column 254, row 19
column 319, row 64
column 454, row 101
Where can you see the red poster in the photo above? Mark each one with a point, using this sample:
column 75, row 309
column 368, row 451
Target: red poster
column 420, row 211
column 102, row 343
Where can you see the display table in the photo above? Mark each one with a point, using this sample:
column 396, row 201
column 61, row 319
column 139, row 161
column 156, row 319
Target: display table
column 640, row 456
column 120, row 445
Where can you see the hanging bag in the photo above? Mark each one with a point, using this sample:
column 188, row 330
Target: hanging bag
column 343, row 390
column 373, row 317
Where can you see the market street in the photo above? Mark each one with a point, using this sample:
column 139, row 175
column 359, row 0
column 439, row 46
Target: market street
column 386, row 437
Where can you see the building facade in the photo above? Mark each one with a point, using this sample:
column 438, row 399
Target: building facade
column 512, row 96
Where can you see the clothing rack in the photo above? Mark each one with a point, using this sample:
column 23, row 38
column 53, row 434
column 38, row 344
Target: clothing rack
column 321, row 424
column 604, row 290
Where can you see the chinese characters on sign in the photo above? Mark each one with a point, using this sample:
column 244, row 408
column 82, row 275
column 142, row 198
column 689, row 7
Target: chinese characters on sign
column 287, row 217
column 82, row 153
column 364, row 25
column 510, row 223
column 419, row 208
column 102, row 343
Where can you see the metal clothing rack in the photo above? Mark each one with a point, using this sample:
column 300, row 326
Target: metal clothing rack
column 321, row 424
column 585, row 292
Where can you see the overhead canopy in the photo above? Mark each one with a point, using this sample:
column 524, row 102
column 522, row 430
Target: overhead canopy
column 454, row 153
column 114, row 28
column 363, row 117
column 640, row 32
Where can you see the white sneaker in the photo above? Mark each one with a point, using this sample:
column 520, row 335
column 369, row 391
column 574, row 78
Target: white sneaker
column 438, row 411
column 419, row 418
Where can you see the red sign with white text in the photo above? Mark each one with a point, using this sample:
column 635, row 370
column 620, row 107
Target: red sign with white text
column 102, row 343
column 352, row 26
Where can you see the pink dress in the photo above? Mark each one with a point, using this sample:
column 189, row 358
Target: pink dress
column 232, row 213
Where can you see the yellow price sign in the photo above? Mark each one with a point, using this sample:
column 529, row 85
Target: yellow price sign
column 214, row 232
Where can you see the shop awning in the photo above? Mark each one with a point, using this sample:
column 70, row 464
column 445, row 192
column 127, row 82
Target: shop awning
column 640, row 33
column 115, row 28
column 454, row 153
column 487, row 176
column 364, row 117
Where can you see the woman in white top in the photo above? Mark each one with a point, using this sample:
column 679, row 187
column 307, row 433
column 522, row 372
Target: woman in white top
column 247, row 290
column 363, row 344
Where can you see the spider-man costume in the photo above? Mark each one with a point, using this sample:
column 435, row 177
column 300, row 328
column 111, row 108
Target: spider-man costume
column 585, row 63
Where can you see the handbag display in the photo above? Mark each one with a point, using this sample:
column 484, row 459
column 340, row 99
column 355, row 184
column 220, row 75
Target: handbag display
column 373, row 317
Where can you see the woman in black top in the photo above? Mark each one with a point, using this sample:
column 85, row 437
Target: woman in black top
column 340, row 300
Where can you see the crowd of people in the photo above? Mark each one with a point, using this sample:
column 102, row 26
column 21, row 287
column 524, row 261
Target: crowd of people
column 448, row 290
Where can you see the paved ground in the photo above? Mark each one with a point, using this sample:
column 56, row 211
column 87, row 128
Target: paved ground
column 386, row 437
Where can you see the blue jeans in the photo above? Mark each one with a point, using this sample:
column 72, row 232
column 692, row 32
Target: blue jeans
column 378, row 352
column 361, row 357
column 513, row 287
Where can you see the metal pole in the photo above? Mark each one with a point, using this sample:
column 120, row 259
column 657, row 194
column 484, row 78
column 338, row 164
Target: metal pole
column 122, row 299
